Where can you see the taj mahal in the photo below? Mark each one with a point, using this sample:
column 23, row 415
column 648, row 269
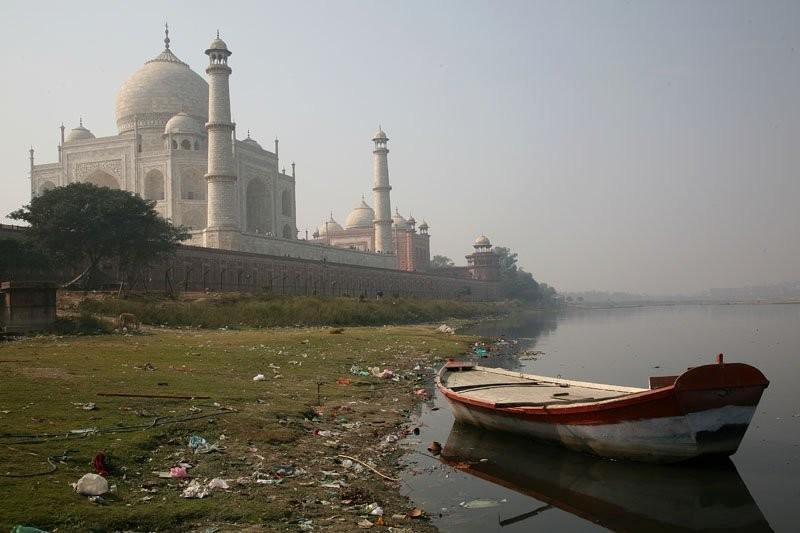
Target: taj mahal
column 176, row 145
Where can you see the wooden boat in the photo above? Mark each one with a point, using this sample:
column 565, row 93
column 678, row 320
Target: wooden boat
column 617, row 495
column 704, row 411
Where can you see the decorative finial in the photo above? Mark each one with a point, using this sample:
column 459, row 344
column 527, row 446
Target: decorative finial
column 80, row 121
column 248, row 134
column 166, row 35
column 217, row 33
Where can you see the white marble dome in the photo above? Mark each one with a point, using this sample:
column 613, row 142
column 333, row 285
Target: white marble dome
column 482, row 240
column 360, row 217
column 330, row 226
column 183, row 123
column 78, row 133
column 218, row 44
column 380, row 135
column 160, row 89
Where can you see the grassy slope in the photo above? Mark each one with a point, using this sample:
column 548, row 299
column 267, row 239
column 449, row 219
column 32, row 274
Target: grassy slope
column 252, row 311
column 42, row 377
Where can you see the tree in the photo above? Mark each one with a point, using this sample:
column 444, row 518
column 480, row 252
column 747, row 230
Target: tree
column 441, row 261
column 83, row 225
column 18, row 255
column 517, row 283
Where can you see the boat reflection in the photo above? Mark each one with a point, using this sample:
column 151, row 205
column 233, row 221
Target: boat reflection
column 617, row 495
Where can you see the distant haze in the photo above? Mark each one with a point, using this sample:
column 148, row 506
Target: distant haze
column 633, row 146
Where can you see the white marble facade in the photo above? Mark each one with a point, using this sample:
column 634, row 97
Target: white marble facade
column 160, row 152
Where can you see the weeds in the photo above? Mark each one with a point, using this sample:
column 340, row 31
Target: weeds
column 263, row 311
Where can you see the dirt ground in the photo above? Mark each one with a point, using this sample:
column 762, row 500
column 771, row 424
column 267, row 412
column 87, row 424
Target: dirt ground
column 310, row 447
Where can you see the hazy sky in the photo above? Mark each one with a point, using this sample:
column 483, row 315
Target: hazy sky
column 616, row 145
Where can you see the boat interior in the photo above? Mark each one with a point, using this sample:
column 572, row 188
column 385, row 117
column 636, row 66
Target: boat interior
column 504, row 388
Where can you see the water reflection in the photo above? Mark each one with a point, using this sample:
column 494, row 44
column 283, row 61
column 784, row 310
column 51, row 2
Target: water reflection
column 620, row 496
column 524, row 326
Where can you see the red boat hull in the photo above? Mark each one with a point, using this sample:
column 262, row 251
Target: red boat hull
column 706, row 411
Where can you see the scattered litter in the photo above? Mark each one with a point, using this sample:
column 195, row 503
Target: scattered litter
column 288, row 470
column 343, row 381
column 195, row 490
column 392, row 438
column 218, row 483
column 421, row 392
column 384, row 476
column 26, row 529
column 259, row 377
column 365, row 524
column 444, row 328
column 305, row 524
column 416, row 512
column 435, row 448
column 269, row 481
column 85, row 406
column 84, row 431
column 480, row 352
column 358, row 371
column 99, row 465
column 383, row 374
column 201, row 445
column 479, row 504
column 91, row 485
column 178, row 472
column 196, row 441
column 374, row 509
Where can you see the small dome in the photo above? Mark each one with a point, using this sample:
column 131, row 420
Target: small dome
column 78, row 134
column 251, row 142
column 218, row 44
column 399, row 221
column 330, row 226
column 424, row 225
column 482, row 240
column 360, row 217
column 411, row 221
column 380, row 135
column 183, row 123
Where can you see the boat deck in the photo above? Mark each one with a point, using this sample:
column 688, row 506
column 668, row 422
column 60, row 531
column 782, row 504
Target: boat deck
column 504, row 388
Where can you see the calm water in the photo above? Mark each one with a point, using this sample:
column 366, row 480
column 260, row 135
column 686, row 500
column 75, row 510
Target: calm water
column 522, row 486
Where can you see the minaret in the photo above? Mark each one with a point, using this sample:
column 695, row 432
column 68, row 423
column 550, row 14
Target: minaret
column 222, row 230
column 380, row 189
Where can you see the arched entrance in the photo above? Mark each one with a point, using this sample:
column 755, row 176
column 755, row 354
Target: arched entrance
column 154, row 185
column 103, row 179
column 257, row 203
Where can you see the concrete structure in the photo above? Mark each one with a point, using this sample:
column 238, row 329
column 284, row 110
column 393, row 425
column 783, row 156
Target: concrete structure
column 28, row 305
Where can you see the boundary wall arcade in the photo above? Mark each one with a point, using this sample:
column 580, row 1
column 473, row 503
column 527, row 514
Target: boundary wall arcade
column 197, row 269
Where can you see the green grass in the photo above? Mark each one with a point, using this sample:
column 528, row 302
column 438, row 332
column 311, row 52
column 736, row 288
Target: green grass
column 43, row 377
column 255, row 311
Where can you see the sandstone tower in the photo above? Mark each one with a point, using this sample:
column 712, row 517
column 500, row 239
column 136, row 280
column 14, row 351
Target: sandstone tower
column 381, row 188
column 223, row 202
